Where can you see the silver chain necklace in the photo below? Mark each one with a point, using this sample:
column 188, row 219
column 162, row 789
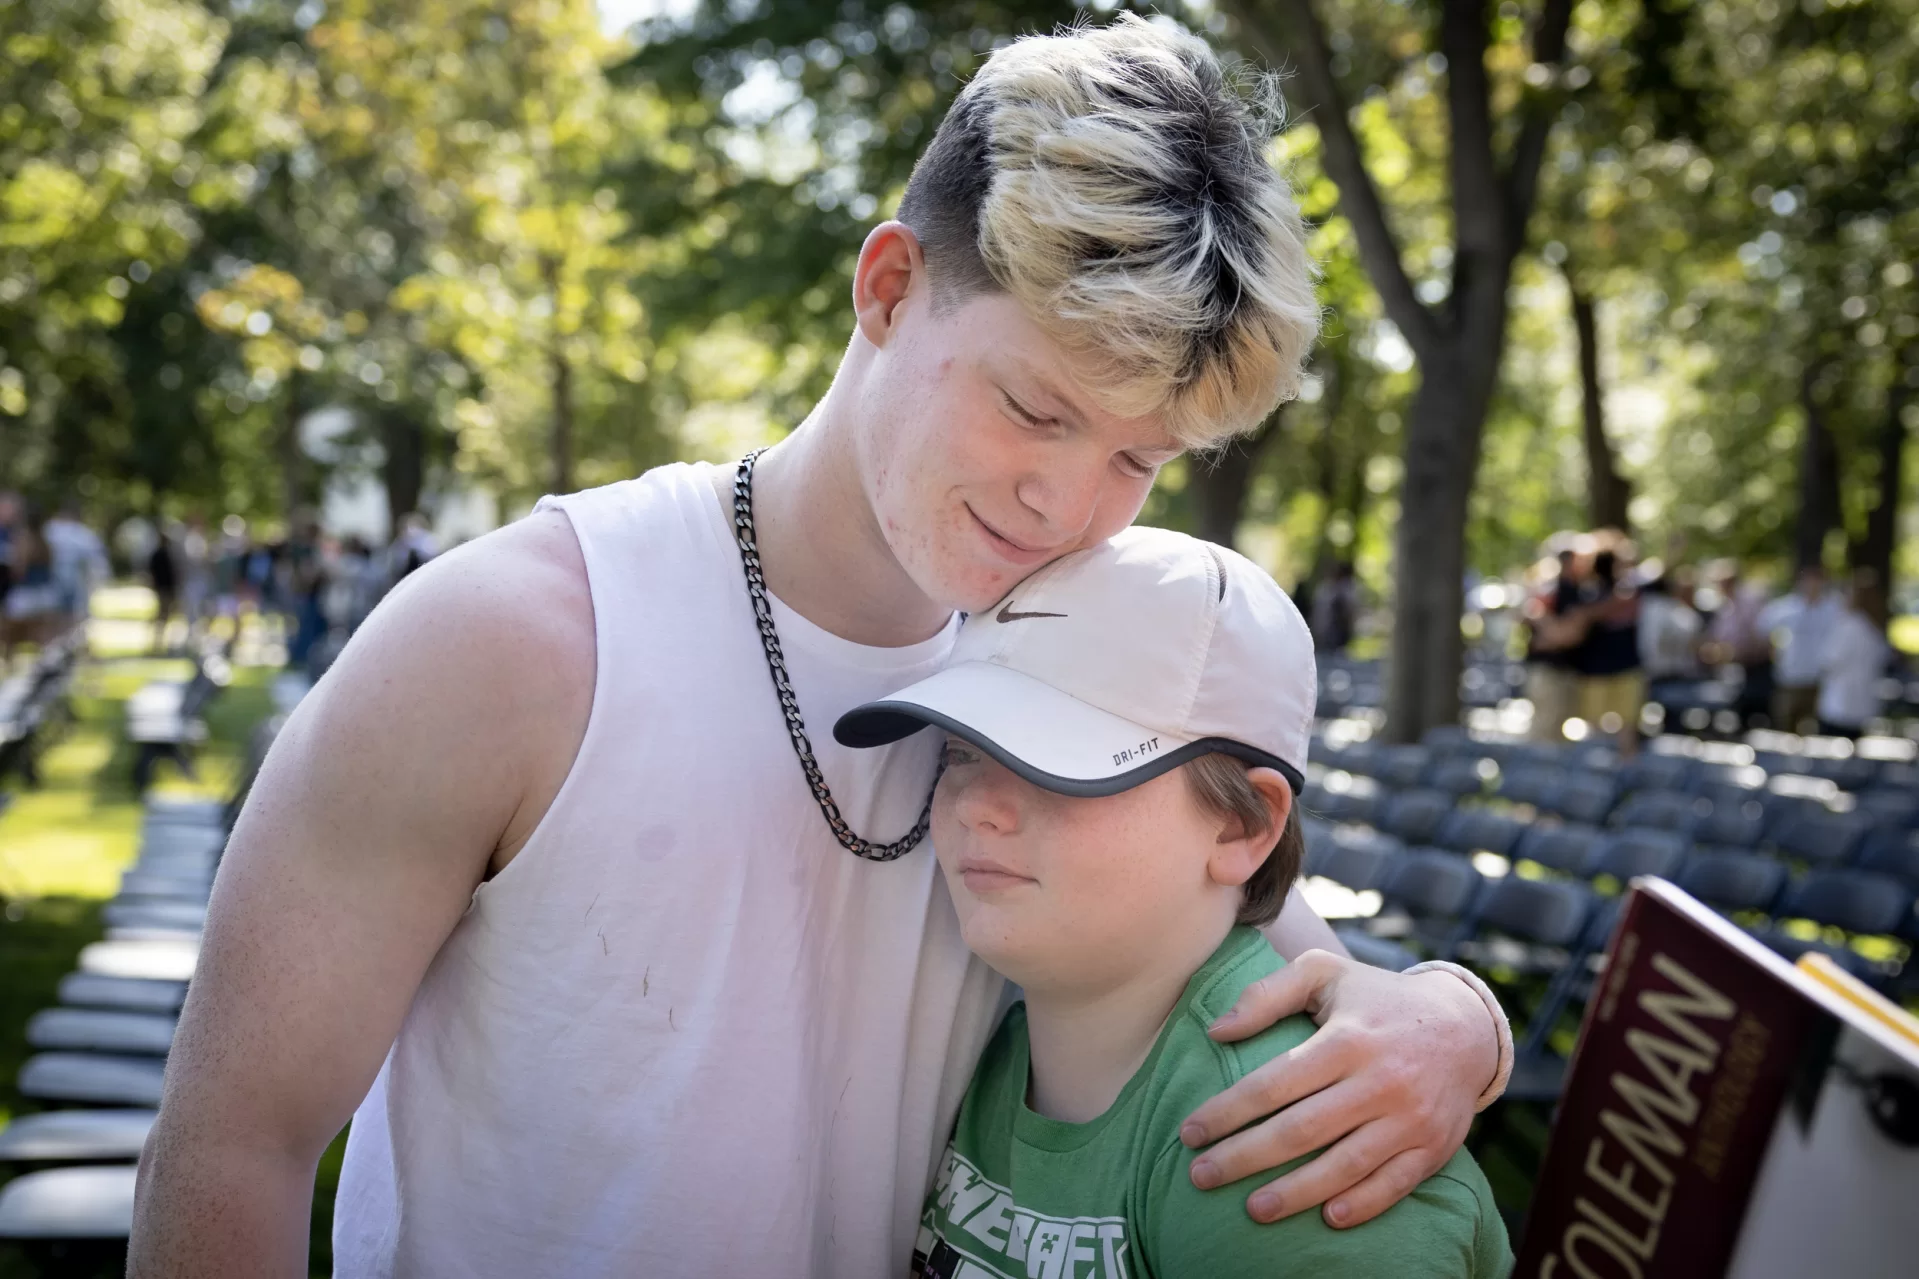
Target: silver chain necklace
column 748, row 539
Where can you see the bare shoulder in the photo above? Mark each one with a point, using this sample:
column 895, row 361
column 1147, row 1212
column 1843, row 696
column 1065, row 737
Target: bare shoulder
column 518, row 585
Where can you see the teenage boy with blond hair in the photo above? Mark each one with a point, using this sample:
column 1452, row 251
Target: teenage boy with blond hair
column 624, row 973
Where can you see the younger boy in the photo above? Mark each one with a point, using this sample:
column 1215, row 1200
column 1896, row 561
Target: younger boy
column 1126, row 731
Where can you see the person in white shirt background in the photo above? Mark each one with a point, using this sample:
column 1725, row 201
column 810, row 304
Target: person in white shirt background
column 1851, row 663
column 1798, row 624
column 1669, row 627
column 79, row 558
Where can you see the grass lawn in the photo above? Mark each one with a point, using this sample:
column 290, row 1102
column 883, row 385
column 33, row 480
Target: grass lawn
column 64, row 844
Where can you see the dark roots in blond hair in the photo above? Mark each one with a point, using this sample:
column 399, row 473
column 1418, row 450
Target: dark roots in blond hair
column 1114, row 181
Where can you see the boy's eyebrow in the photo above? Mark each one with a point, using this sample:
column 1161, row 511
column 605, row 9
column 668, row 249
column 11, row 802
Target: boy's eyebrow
column 1073, row 415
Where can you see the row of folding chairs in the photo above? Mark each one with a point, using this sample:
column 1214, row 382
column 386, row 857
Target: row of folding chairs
column 100, row 1054
column 1843, row 903
column 33, row 704
column 1451, row 756
column 1882, row 837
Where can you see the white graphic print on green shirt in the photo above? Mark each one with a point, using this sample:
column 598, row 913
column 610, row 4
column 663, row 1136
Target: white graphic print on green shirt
column 973, row 1229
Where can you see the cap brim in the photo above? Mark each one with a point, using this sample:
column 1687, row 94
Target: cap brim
column 1050, row 738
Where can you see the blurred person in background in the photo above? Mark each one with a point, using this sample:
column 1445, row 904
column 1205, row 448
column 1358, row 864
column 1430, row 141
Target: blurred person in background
column 196, row 576
column 229, row 569
column 32, row 609
column 258, row 580
column 79, row 559
column 353, row 576
column 1670, row 630
column 1735, row 637
column 9, row 517
column 1552, row 632
column 1612, row 683
column 414, row 546
column 1335, row 609
column 1798, row 624
column 163, row 575
column 302, row 580
column 1852, row 661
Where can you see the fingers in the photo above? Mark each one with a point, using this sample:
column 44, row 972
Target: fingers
column 1335, row 1171
column 1298, row 1130
column 1296, row 1073
column 1300, row 986
column 1389, row 1183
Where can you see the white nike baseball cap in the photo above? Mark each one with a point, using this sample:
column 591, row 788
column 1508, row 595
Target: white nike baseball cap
column 1118, row 663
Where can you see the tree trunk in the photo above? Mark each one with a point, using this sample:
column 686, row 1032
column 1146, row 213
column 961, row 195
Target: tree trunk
column 1457, row 343
column 1441, row 460
column 1219, row 482
column 1607, row 493
column 1818, row 475
column 403, row 438
column 562, row 374
column 1882, row 526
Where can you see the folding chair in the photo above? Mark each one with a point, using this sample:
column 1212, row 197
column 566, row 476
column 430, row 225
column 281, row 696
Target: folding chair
column 68, row 1204
column 128, row 994
column 1891, row 852
column 1402, row 767
column 1430, row 897
column 1898, row 773
column 94, row 1030
column 1585, row 796
column 1647, row 771
column 1660, row 810
column 1459, row 776
column 1446, row 738
column 150, row 885
column 1468, row 830
column 160, row 960
column 1819, row 837
column 1360, row 863
column 1526, row 925
column 1857, row 902
column 76, row 1136
column 1625, row 855
column 1566, row 849
column 1539, row 1072
column 1732, row 816
column 1733, row 881
column 1889, row 806
column 100, row 1079
column 1359, row 758
column 155, row 913
column 1849, row 773
column 1533, row 784
column 1414, row 815
column 1344, row 797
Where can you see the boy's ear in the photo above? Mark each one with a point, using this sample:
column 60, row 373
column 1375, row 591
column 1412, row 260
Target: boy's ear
column 889, row 261
column 1240, row 850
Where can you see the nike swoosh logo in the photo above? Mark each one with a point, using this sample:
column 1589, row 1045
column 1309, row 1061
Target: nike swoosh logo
column 1006, row 614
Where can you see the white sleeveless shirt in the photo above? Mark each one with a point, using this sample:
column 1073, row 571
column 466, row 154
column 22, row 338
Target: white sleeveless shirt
column 683, row 1031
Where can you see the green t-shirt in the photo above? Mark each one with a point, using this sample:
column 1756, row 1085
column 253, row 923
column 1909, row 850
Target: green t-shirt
column 1025, row 1197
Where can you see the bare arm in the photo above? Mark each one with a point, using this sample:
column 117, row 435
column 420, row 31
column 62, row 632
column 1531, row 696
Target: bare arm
column 1300, row 929
column 422, row 759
